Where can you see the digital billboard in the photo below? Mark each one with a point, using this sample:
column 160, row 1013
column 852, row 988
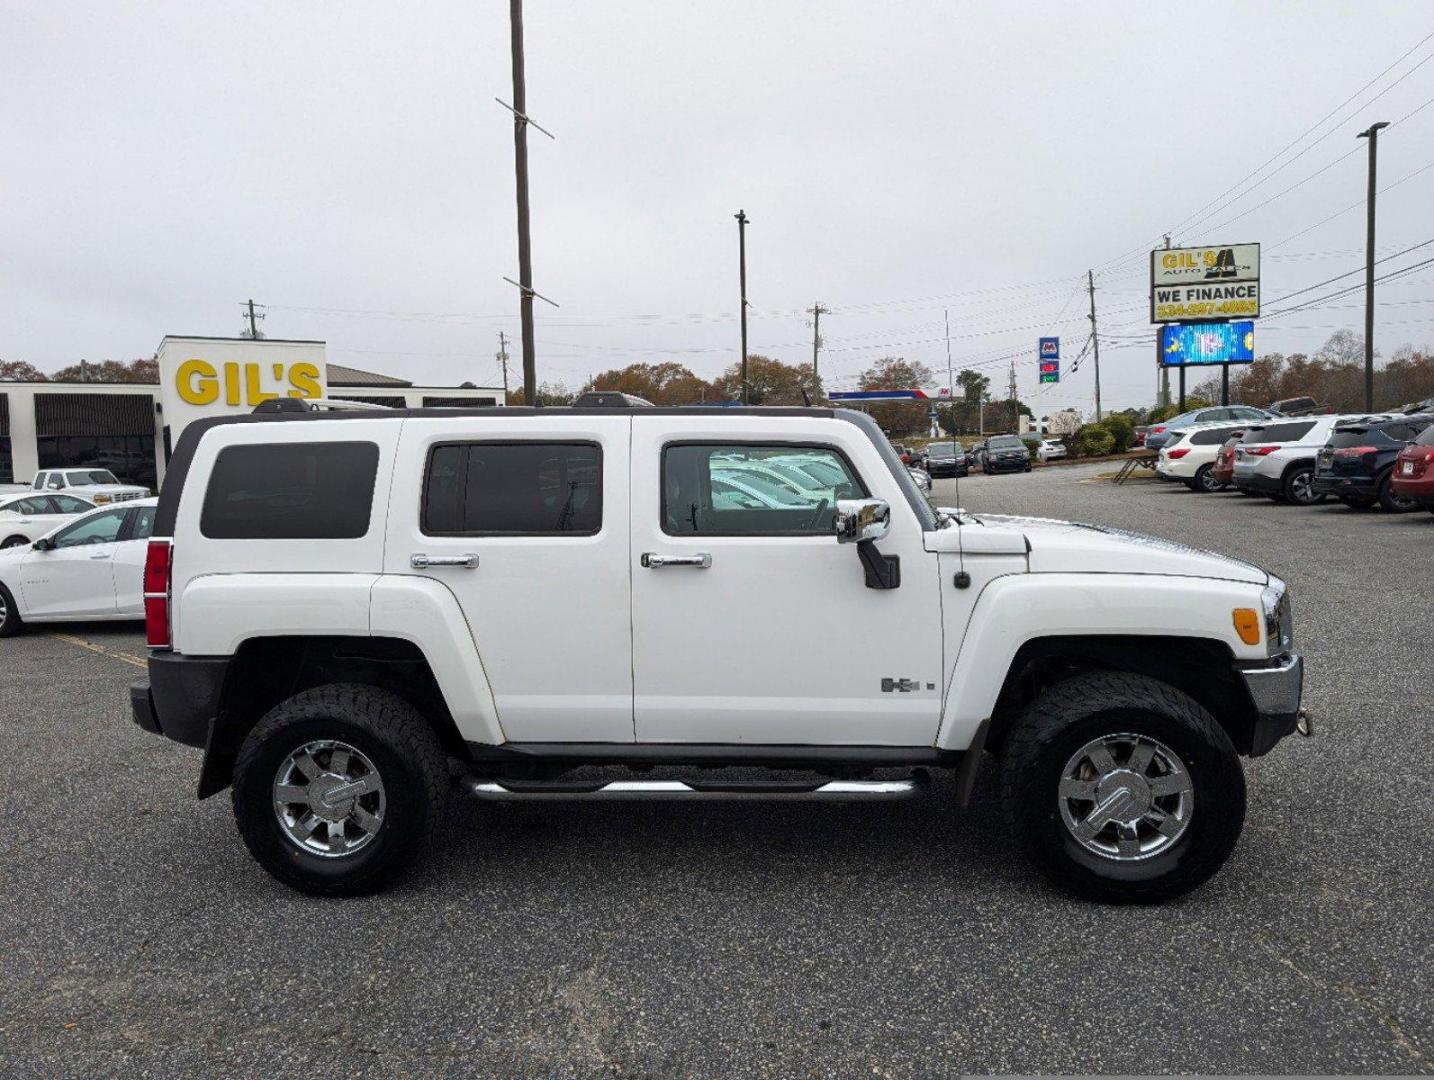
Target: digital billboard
column 1192, row 344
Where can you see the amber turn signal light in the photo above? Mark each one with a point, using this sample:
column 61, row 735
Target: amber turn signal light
column 1247, row 625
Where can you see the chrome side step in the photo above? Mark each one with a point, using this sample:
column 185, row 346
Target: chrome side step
column 727, row 790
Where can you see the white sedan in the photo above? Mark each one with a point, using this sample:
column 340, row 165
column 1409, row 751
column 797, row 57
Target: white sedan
column 89, row 569
column 27, row 517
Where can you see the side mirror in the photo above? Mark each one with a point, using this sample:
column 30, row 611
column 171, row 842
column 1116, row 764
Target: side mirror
column 862, row 519
column 42, row 545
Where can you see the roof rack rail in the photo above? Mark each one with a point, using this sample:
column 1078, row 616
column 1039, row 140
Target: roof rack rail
column 298, row 405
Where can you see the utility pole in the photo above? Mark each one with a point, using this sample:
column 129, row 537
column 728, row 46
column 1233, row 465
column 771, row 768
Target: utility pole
column 950, row 383
column 1095, row 342
column 254, row 334
column 520, row 161
column 503, row 359
column 741, row 216
column 1162, row 394
column 1372, row 134
column 816, row 311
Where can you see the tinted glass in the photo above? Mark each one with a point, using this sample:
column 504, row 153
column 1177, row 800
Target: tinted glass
column 141, row 525
column 1005, row 442
column 1346, row 437
column 1425, row 437
column 1210, row 437
column 100, row 529
column 291, row 491
column 1281, row 433
column 941, row 450
column 737, row 490
column 39, row 504
column 524, row 488
column 68, row 504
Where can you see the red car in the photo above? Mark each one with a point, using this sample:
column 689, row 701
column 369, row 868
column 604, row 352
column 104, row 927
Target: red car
column 1413, row 475
column 1223, row 471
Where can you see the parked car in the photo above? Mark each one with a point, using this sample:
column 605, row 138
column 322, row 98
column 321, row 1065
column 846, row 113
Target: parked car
column 1159, row 434
column 27, row 517
column 1141, row 431
column 1277, row 458
column 99, row 486
column 351, row 612
column 1413, row 475
column 922, row 478
column 1295, row 406
column 947, row 459
column 89, row 568
column 1005, row 453
column 1356, row 465
column 1052, row 450
column 1223, row 471
column 1189, row 456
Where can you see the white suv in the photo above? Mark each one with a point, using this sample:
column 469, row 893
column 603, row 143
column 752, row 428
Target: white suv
column 340, row 606
column 1189, row 456
column 1277, row 458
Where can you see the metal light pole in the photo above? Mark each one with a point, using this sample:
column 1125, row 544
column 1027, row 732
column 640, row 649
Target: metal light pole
column 1372, row 134
column 741, row 217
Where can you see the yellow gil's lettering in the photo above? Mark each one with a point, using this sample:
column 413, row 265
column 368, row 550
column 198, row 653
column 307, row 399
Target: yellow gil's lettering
column 231, row 384
column 197, row 382
column 304, row 378
column 253, row 395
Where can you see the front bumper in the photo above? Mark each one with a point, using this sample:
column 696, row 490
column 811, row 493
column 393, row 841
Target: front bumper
column 1275, row 687
column 1007, row 465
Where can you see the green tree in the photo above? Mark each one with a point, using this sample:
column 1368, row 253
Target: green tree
column 1122, row 432
column 973, row 385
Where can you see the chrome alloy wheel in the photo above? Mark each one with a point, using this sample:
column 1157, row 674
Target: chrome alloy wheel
column 329, row 798
column 1126, row 797
column 4, row 609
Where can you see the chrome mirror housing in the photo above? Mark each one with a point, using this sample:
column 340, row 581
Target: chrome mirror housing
column 862, row 519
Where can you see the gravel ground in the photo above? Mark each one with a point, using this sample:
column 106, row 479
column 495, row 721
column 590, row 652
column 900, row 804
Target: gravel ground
column 747, row 940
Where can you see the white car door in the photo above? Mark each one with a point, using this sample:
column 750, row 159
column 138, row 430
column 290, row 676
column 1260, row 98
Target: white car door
column 528, row 528
column 75, row 578
column 751, row 623
column 128, row 563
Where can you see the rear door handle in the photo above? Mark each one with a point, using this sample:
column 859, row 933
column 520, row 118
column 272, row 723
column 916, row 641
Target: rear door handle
column 419, row 561
column 653, row 561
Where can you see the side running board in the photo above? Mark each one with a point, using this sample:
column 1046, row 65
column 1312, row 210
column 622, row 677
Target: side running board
column 729, row 790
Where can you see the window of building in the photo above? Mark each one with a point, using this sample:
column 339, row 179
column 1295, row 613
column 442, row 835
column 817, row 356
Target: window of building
column 129, row 457
column 515, row 488
column 754, row 490
column 291, row 491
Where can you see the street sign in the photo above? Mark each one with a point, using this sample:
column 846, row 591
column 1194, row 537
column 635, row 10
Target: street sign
column 1196, row 344
column 1050, row 371
column 1049, row 348
column 1209, row 283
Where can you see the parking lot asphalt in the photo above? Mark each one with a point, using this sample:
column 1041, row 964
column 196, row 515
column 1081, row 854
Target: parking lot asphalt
column 748, row 940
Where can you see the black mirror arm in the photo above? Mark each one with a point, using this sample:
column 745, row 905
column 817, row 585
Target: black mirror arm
column 882, row 571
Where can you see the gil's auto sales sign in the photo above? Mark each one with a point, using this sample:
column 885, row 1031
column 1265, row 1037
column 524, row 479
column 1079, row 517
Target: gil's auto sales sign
column 1205, row 284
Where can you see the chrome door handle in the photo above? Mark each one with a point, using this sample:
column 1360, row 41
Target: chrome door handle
column 422, row 562
column 652, row 560
column 105, row 556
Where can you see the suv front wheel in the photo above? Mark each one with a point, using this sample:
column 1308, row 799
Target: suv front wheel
column 339, row 788
column 1122, row 788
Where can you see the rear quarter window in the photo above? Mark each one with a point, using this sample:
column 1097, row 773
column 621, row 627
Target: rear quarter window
column 291, row 491
column 1282, row 433
column 1212, row 436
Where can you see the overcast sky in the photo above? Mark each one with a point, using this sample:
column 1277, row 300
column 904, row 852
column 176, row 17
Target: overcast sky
column 346, row 165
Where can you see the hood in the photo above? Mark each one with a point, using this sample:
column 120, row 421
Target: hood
column 1069, row 547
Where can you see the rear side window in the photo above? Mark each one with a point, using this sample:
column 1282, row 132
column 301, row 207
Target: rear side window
column 1211, row 436
column 515, row 489
column 1281, row 433
column 1347, row 437
column 1425, row 437
column 291, row 491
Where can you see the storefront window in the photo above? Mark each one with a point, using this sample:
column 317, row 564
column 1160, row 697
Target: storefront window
column 129, row 457
column 7, row 465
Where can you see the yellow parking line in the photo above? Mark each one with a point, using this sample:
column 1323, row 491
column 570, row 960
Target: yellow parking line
column 125, row 658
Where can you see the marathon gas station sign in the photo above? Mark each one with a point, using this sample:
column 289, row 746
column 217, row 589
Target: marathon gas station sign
column 1205, row 284
column 218, row 376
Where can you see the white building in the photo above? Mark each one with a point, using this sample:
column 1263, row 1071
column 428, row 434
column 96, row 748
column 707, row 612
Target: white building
column 130, row 428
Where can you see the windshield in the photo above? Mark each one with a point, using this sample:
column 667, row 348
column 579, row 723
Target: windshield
column 941, row 450
column 1346, row 437
column 1425, row 437
column 91, row 476
column 1005, row 442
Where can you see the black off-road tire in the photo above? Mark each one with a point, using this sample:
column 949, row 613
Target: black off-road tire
column 387, row 730
column 1067, row 717
column 10, row 623
column 1391, row 503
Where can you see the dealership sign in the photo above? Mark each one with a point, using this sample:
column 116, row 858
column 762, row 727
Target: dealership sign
column 1209, row 283
column 222, row 376
column 1195, row 344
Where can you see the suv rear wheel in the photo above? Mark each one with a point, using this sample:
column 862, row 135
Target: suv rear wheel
column 1205, row 481
column 1121, row 788
column 1389, row 501
column 1299, row 486
column 338, row 788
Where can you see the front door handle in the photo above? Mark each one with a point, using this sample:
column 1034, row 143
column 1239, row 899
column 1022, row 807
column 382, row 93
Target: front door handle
column 419, row 561
column 652, row 560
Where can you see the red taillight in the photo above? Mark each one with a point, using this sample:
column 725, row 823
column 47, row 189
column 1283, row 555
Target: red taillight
column 1180, row 453
column 1355, row 451
column 1157, row 429
column 1260, row 451
column 156, row 594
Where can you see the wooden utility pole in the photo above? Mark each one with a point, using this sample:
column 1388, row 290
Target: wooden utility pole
column 816, row 311
column 503, row 359
column 1372, row 134
column 741, row 216
column 1095, row 341
column 520, row 160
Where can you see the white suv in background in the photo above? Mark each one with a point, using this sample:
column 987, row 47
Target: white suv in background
column 1189, row 456
column 1277, row 459
column 99, row 486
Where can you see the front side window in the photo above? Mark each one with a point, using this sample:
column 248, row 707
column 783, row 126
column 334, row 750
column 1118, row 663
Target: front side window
column 99, row 529
column 513, row 488
column 291, row 491
column 68, row 504
column 753, row 490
